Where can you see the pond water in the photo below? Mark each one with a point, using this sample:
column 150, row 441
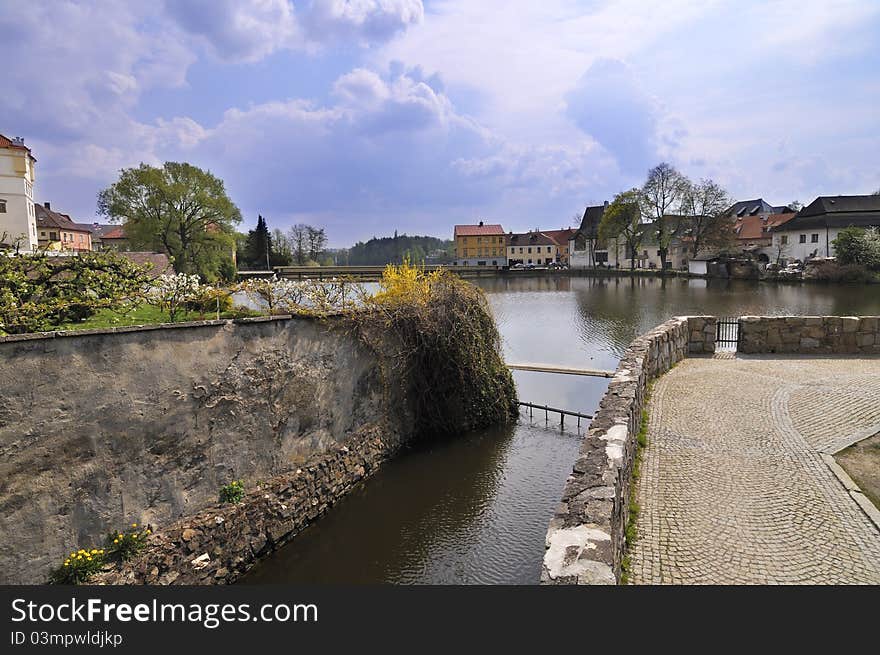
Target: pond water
column 474, row 509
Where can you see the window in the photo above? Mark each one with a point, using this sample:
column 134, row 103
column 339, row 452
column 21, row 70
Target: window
column 803, row 238
column 520, row 251
column 53, row 236
column 783, row 239
column 2, row 206
column 658, row 253
column 530, row 252
column 814, row 238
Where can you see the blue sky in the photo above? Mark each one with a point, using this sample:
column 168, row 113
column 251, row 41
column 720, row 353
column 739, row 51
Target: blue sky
column 370, row 116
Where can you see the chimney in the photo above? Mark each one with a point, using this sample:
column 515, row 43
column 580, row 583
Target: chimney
column 481, row 223
column 606, row 204
column 47, row 206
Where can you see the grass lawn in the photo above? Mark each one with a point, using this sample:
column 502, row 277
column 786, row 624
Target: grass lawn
column 862, row 462
column 146, row 315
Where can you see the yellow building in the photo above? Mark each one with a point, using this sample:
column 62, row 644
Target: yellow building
column 480, row 245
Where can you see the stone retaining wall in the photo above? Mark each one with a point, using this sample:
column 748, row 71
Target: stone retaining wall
column 586, row 538
column 103, row 428
column 809, row 334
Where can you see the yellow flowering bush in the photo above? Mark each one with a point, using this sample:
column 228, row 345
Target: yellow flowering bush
column 444, row 352
column 122, row 545
column 78, row 566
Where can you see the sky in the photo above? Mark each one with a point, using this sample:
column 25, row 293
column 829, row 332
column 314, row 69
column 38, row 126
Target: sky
column 370, row 116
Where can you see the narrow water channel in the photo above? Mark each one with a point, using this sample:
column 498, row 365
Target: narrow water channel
column 474, row 509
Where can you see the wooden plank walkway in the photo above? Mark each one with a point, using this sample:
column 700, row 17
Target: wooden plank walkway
column 565, row 370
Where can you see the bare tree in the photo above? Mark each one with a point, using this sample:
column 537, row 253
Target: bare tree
column 298, row 239
column 664, row 190
column 781, row 249
column 623, row 219
column 705, row 204
column 317, row 242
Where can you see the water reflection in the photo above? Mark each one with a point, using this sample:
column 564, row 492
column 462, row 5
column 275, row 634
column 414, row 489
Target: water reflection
column 467, row 510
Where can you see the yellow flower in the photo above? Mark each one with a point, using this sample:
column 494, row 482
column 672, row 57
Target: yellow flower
column 120, row 535
column 116, row 541
column 148, row 532
column 134, row 525
column 94, row 551
column 66, row 563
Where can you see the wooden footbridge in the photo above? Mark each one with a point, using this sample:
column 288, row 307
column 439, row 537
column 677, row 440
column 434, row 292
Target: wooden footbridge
column 564, row 370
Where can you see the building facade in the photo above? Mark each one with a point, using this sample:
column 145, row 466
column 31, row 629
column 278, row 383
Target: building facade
column 18, row 225
column 535, row 248
column 57, row 231
column 584, row 248
column 480, row 245
column 811, row 232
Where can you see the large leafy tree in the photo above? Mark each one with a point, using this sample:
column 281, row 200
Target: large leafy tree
column 705, row 204
column 623, row 220
column 178, row 209
column 664, row 191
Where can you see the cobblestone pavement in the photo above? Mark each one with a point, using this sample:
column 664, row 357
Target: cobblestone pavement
column 733, row 489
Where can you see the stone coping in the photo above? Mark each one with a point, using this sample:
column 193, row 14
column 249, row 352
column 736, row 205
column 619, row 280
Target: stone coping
column 184, row 325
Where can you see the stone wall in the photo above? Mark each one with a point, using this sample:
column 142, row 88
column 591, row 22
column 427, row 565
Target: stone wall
column 100, row 429
column 809, row 334
column 586, row 538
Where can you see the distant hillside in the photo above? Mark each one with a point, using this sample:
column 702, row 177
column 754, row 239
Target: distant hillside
column 392, row 250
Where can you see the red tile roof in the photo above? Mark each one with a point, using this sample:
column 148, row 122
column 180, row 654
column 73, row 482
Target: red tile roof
column 480, row 230
column 756, row 227
column 561, row 237
column 6, row 142
column 160, row 261
column 114, row 233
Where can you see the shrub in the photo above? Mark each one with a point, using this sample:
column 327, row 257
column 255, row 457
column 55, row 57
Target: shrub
column 39, row 292
column 855, row 246
column 171, row 292
column 209, row 300
column 78, row 567
column 446, row 350
column 829, row 271
column 232, row 492
column 125, row 544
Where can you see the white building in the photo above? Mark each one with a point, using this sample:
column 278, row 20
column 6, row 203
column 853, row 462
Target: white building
column 811, row 233
column 18, row 223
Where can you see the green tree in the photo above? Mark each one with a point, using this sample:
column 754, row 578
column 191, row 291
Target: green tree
column 623, row 220
column 858, row 246
column 665, row 190
column 258, row 247
column 177, row 209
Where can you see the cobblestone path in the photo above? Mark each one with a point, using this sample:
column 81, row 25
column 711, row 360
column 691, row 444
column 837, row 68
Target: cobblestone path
column 733, row 489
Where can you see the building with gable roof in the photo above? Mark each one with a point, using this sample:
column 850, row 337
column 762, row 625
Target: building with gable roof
column 480, row 245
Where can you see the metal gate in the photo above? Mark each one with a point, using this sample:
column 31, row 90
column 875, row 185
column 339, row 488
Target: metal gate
column 727, row 333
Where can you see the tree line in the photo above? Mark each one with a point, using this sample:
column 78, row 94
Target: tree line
column 396, row 249
column 301, row 245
